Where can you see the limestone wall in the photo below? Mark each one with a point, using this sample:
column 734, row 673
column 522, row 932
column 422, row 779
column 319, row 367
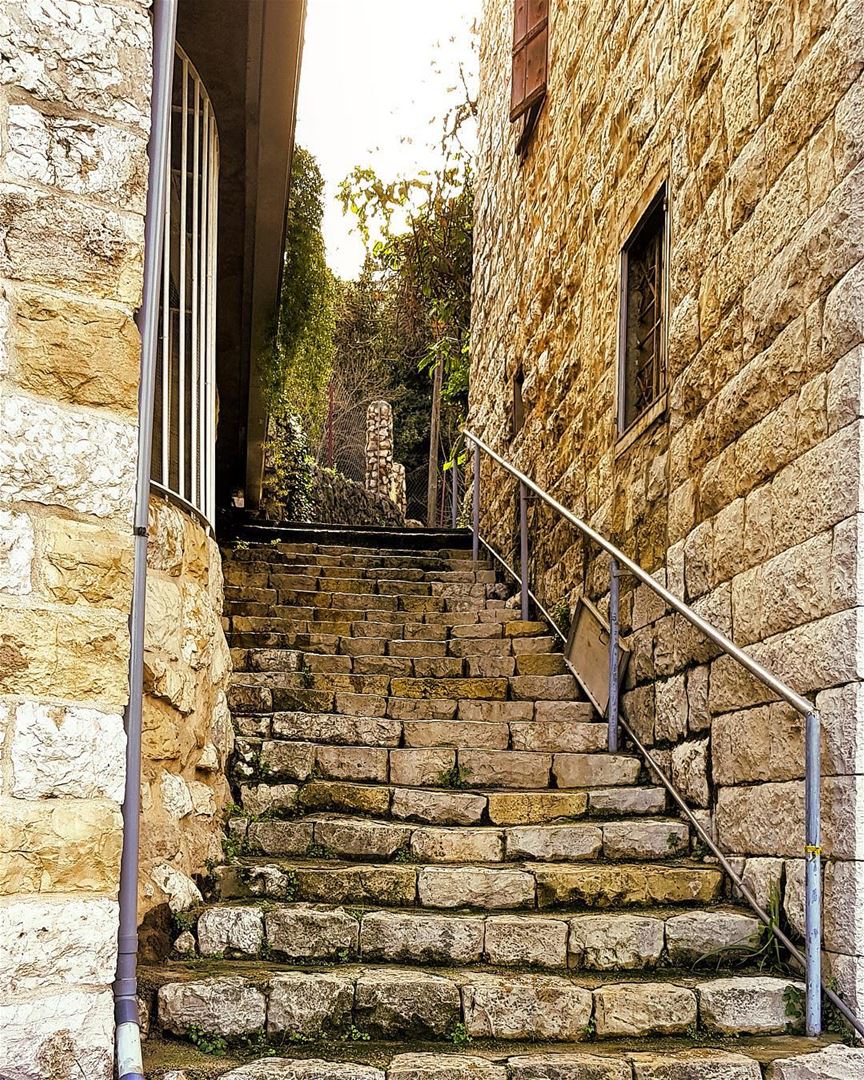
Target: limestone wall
column 187, row 732
column 744, row 495
column 74, row 114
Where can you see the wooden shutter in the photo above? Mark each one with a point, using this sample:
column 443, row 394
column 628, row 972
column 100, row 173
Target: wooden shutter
column 530, row 55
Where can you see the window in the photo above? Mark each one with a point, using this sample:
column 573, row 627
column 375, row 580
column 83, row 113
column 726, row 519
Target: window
column 642, row 360
column 530, row 64
column 184, row 422
column 518, row 403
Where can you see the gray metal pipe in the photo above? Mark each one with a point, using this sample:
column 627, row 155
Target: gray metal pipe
column 612, row 711
column 523, row 549
column 454, row 509
column 724, row 643
column 129, row 1065
column 813, row 774
column 813, row 873
column 475, row 506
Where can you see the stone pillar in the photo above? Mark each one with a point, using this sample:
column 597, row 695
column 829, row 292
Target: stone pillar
column 74, row 101
column 379, row 448
column 398, row 492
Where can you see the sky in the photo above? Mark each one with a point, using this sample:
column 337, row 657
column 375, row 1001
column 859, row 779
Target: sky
column 368, row 92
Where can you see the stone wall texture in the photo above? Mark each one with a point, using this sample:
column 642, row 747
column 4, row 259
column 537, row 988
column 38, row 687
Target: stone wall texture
column 384, row 477
column 74, row 115
column 187, row 734
column 337, row 500
column 744, row 495
column 74, row 118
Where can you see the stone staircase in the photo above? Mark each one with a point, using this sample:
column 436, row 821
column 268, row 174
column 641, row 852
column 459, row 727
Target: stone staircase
column 435, row 869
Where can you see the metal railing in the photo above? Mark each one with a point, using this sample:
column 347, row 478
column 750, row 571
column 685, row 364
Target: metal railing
column 811, row 960
column 184, row 428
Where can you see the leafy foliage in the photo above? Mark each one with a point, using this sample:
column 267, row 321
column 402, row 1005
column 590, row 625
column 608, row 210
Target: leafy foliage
column 290, row 467
column 300, row 361
column 411, row 307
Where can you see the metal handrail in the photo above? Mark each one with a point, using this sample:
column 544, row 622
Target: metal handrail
column 811, row 961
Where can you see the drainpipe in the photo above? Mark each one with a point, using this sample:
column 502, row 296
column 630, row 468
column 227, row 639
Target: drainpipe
column 128, row 1032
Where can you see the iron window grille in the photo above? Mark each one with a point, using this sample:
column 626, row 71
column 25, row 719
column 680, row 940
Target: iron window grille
column 642, row 335
column 185, row 408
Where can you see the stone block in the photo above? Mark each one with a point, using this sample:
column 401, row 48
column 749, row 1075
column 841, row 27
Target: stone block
column 60, row 846
column 179, row 889
column 671, row 704
column 79, row 156
column 309, row 1005
column 221, row 1006
column 307, row 933
column 362, row 839
column 393, row 1004
column 505, row 768
column 756, row 1006
column 86, row 563
column 698, row 935
column 526, row 941
column 690, row 771
column 444, row 1067
column 595, row 770
column 59, row 243
column 607, row 886
column 816, row 491
column 420, row 768
column 438, row 807
column 536, row 807
column 696, row 1065
column 766, row 819
column 475, row 887
column 176, row 799
column 57, row 456
column 84, row 354
column 421, row 938
column 16, row 553
column 58, row 1035
column 765, row 743
column 68, row 752
column 96, row 59
column 56, row 942
column 615, row 942
column 645, row 839
column 832, row 1063
column 461, row 845
column 525, row 1007
column 638, row 1009
column 307, row 1069
column 231, row 930
column 569, row 1067
column 556, row 843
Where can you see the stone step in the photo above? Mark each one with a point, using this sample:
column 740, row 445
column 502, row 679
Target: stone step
column 577, row 735
column 517, row 886
column 437, row 766
column 368, row 660
column 406, row 1003
column 272, row 630
column 784, row 1057
column 456, row 688
column 546, row 725
column 310, row 933
column 335, row 836
column 447, row 807
column 382, row 580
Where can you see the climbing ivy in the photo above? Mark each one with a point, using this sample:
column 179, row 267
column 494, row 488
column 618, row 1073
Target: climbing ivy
column 298, row 364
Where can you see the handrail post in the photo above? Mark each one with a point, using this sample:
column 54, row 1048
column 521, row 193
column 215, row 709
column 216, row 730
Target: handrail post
column 813, row 873
column 612, row 710
column 454, row 512
column 523, row 548
column 475, row 504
